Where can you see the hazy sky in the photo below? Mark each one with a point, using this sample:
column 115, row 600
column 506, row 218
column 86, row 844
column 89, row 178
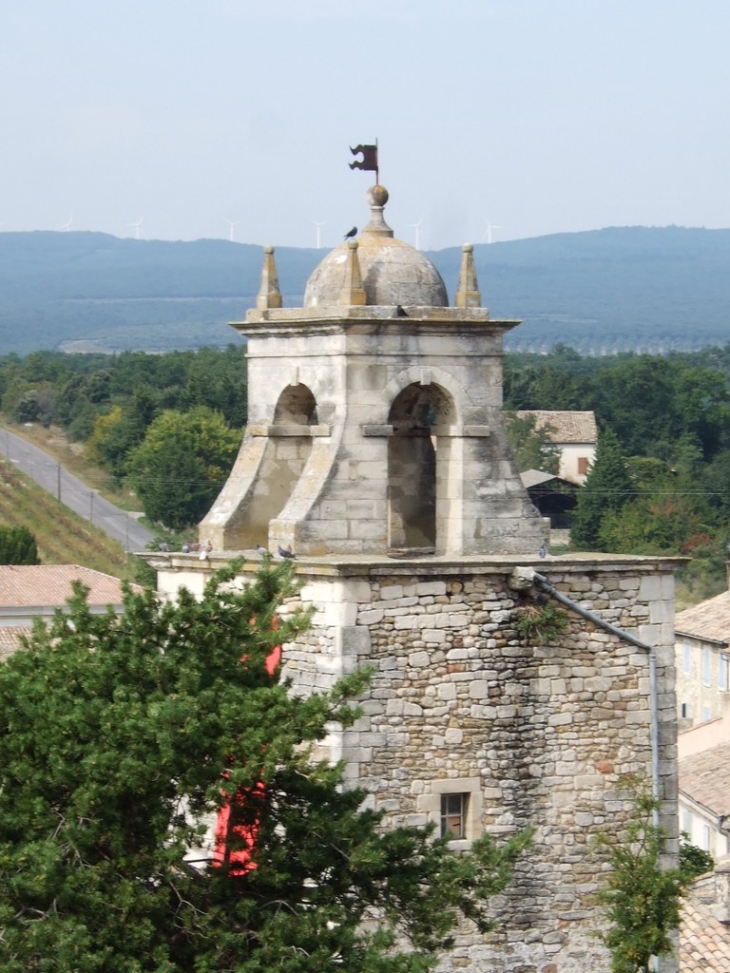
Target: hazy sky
column 535, row 116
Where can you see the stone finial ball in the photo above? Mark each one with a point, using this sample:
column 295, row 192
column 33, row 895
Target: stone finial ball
column 377, row 195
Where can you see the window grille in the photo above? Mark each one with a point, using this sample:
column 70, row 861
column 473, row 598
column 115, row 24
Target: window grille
column 453, row 815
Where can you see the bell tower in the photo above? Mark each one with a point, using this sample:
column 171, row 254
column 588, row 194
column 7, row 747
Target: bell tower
column 375, row 414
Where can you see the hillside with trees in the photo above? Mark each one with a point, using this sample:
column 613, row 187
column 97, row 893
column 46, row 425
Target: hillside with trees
column 648, row 289
column 169, row 427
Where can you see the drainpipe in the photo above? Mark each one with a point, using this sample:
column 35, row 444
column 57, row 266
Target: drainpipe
column 525, row 574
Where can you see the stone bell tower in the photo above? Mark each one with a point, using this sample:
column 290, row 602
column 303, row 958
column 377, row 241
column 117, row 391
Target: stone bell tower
column 376, row 448
column 375, row 414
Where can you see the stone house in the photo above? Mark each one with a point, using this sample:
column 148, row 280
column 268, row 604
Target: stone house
column 702, row 648
column 376, row 451
column 575, row 433
column 704, row 798
column 31, row 591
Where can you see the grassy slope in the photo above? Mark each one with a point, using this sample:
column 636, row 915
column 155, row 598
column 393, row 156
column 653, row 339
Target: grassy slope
column 61, row 535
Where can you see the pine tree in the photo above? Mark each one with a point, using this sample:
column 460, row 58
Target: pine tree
column 18, row 546
column 641, row 899
column 606, row 489
column 121, row 735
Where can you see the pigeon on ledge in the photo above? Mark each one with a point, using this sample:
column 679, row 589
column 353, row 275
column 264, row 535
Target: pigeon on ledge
column 286, row 553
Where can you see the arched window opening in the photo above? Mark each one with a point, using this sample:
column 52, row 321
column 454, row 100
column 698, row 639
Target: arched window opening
column 296, row 406
column 415, row 415
column 286, row 454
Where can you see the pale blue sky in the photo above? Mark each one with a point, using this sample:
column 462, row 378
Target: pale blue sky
column 537, row 116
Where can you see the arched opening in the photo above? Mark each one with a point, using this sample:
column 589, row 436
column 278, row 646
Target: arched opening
column 287, row 451
column 297, row 406
column 413, row 456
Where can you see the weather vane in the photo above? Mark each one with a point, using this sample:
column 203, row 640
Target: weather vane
column 369, row 161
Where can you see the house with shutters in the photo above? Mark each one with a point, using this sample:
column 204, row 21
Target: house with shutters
column 575, row 434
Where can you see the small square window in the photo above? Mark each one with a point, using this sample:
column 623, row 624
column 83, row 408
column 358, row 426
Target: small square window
column 453, row 815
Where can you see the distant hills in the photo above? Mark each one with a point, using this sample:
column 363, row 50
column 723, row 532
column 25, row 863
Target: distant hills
column 624, row 288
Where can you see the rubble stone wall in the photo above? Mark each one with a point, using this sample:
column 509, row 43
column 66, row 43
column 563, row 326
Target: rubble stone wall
column 535, row 735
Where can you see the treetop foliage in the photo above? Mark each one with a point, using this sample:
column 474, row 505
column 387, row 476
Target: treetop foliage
column 120, row 736
column 18, row 546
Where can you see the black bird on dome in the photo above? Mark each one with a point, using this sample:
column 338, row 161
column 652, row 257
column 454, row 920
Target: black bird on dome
column 352, row 233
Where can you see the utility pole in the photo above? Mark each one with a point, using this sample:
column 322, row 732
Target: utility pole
column 58, row 481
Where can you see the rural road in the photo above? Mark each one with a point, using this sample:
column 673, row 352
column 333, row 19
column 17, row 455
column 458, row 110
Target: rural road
column 56, row 480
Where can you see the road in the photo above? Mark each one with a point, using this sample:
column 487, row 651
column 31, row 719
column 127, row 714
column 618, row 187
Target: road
column 56, row 480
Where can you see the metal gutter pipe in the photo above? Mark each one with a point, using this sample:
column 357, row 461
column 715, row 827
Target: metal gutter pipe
column 549, row 589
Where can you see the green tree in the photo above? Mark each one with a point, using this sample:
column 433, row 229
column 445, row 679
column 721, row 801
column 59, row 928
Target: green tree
column 606, row 489
column 181, row 465
column 119, row 734
column 532, row 447
column 641, row 898
column 18, row 546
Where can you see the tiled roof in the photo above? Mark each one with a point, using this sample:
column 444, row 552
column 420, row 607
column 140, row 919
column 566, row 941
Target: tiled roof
column 705, row 778
column 27, row 586
column 704, row 943
column 570, row 427
column 710, row 619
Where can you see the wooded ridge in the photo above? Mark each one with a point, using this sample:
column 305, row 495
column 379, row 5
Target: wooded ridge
column 651, row 289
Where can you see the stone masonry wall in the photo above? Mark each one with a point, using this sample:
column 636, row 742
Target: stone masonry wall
column 536, row 735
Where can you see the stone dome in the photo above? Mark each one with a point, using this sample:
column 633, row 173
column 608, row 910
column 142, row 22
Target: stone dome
column 392, row 271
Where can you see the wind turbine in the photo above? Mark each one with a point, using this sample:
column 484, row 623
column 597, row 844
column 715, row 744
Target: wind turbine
column 136, row 226
column 488, row 231
column 231, row 225
column 318, row 224
column 417, row 228
column 66, row 226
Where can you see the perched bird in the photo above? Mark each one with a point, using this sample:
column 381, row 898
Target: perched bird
column 205, row 551
column 286, row 553
column 163, row 546
column 543, row 550
column 351, row 234
column 186, row 548
column 400, row 312
column 263, row 551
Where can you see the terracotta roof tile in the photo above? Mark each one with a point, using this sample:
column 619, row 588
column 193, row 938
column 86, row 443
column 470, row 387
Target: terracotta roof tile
column 710, row 619
column 704, row 942
column 705, row 778
column 26, row 586
column 570, row 427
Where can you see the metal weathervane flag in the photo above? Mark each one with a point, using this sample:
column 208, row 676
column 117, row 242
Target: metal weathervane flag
column 369, row 161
